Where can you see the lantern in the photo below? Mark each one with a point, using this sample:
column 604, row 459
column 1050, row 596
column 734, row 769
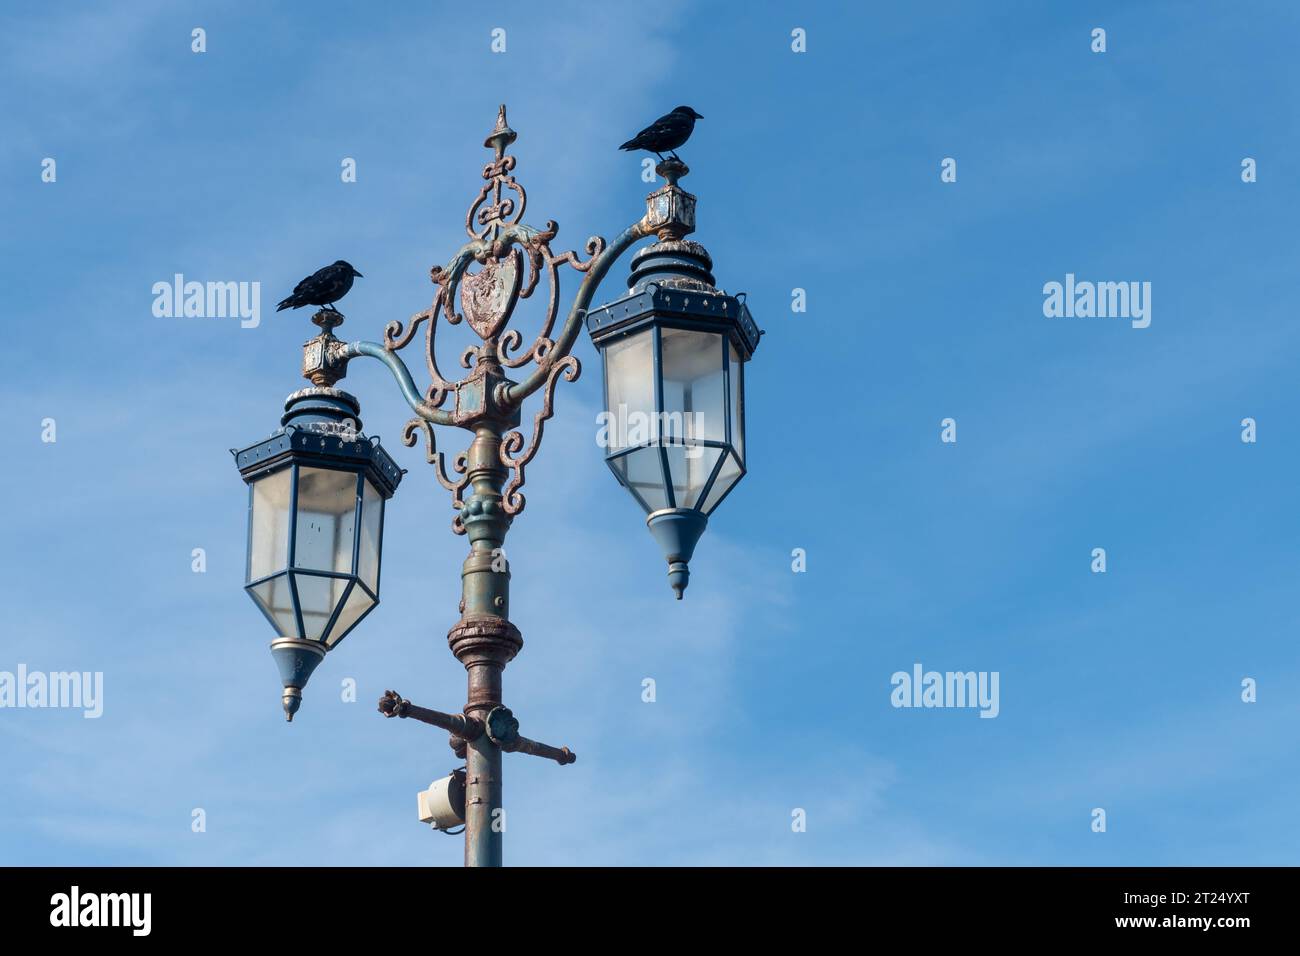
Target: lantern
column 317, row 489
column 674, row 351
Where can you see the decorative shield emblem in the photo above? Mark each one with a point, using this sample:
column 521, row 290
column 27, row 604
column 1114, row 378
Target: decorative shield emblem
column 489, row 295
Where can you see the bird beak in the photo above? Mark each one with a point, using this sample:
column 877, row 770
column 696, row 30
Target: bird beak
column 357, row 274
column 697, row 115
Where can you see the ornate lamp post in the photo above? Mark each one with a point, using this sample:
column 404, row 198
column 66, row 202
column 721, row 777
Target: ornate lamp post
column 674, row 351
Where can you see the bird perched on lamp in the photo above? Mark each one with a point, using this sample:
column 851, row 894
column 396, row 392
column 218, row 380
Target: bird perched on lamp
column 323, row 287
column 665, row 134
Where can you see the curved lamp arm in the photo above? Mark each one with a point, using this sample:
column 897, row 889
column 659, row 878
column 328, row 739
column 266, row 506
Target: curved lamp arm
column 516, row 393
column 400, row 372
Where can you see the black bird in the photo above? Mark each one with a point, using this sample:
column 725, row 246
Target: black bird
column 323, row 287
column 666, row 133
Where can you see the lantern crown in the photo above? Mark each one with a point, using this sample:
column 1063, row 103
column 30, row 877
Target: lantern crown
column 321, row 426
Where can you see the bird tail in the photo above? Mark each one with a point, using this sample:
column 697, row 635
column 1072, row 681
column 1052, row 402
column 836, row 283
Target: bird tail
column 288, row 303
column 629, row 145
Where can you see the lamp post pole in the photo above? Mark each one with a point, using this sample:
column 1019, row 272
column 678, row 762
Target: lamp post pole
column 484, row 641
column 512, row 257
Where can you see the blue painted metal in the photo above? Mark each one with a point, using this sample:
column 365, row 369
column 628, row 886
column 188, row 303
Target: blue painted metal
column 404, row 380
column 296, row 660
column 677, row 530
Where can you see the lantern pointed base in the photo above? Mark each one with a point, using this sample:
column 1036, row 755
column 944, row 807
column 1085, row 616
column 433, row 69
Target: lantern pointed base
column 291, row 700
column 677, row 530
column 296, row 660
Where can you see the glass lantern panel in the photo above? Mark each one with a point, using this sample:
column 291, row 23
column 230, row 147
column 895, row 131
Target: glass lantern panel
column 629, row 390
column 694, row 403
column 691, row 466
column 268, row 538
column 737, row 399
column 642, row 471
column 372, row 523
column 327, row 512
column 358, row 603
column 276, row 599
column 318, row 596
column 728, row 475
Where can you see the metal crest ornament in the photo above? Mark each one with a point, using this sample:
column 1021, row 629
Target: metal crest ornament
column 489, row 295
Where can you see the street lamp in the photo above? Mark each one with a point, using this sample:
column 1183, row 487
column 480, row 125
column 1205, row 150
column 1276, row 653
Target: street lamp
column 316, row 497
column 674, row 350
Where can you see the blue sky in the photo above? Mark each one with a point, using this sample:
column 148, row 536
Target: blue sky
column 818, row 171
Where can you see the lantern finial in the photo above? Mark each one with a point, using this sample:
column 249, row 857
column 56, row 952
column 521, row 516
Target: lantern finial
column 502, row 136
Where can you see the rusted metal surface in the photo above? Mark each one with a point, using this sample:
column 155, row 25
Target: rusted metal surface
column 489, row 295
column 509, row 260
column 484, row 800
column 393, row 704
column 434, row 457
column 670, row 211
column 514, row 501
column 502, row 727
column 561, row 755
column 323, row 357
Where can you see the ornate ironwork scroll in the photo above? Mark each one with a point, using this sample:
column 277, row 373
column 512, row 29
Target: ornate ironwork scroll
column 510, row 259
column 513, row 500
